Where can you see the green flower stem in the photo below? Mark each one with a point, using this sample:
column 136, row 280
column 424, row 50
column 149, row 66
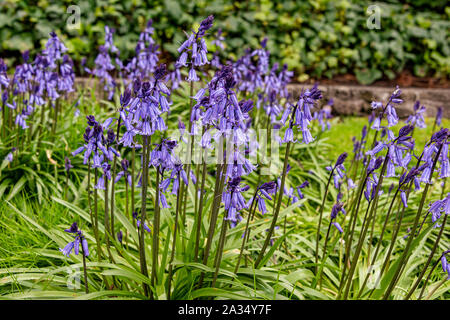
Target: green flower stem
column 200, row 208
column 351, row 230
column 316, row 261
column 372, row 230
column 191, row 148
column 219, row 252
column 379, row 241
column 278, row 207
column 155, row 238
column 253, row 204
column 430, row 257
column 106, row 221
column 399, row 220
column 324, row 254
column 143, row 262
column 174, row 241
column 398, row 223
column 345, row 277
column 364, row 228
column 99, row 248
column 214, row 215
column 133, row 156
column 113, row 195
column 428, row 279
column 85, row 271
column 405, row 257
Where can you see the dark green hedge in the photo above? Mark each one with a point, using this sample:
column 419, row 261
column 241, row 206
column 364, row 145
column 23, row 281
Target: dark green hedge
column 316, row 38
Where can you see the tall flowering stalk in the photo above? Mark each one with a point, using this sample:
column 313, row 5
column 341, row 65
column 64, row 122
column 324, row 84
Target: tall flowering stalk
column 142, row 115
column 79, row 239
column 337, row 167
column 338, row 207
column 262, row 193
column 193, row 54
column 234, row 203
column 300, row 119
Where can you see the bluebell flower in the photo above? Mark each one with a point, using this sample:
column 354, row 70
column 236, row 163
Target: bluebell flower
column 445, row 264
column 338, row 207
column 104, row 177
column 301, row 116
column 143, row 114
column 54, row 49
column 138, row 222
column 338, row 170
column 438, row 207
column 103, row 71
column 124, row 172
column 234, row 201
column 193, row 51
column 75, row 245
column 147, row 55
column 323, row 115
column 4, row 80
column 388, row 110
column 439, row 116
column 438, row 140
column 416, row 119
column 67, row 164
column 10, row 156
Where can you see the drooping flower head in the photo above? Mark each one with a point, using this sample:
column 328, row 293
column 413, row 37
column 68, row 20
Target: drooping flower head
column 193, row 51
column 234, row 201
column 147, row 56
column 388, row 110
column 138, row 222
column 338, row 207
column 301, row 115
column 142, row 114
column 416, row 119
column 79, row 239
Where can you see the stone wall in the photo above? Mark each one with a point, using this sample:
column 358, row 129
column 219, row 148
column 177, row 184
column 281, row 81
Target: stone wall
column 355, row 100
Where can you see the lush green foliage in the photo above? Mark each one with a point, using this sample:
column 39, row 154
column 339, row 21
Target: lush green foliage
column 32, row 224
column 317, row 39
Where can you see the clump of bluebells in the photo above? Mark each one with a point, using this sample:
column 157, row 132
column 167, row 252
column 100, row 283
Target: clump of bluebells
column 193, row 204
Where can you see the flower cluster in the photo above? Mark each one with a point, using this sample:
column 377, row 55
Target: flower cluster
column 399, row 149
column 388, row 110
column 438, row 207
column 193, row 51
column 147, row 56
column 234, row 201
column 142, row 114
column 301, row 115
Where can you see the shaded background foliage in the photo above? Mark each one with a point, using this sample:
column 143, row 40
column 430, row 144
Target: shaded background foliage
column 318, row 39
